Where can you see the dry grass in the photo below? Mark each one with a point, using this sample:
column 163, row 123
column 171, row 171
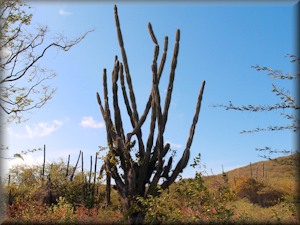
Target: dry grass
column 277, row 181
column 280, row 174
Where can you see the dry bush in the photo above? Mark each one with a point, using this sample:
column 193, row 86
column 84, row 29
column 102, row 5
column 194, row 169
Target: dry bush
column 27, row 211
column 257, row 193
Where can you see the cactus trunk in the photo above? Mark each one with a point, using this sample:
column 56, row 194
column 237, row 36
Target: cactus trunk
column 132, row 176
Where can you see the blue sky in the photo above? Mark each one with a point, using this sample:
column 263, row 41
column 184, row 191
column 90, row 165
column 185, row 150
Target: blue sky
column 219, row 44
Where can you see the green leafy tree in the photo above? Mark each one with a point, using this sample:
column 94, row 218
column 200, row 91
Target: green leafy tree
column 23, row 80
column 288, row 106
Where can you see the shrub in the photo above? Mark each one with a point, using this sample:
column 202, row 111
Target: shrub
column 27, row 211
column 63, row 211
column 257, row 193
column 203, row 205
column 160, row 209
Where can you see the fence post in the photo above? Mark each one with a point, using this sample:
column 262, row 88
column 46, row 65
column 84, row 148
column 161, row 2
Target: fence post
column 72, row 176
column 67, row 173
column 256, row 172
column 44, row 162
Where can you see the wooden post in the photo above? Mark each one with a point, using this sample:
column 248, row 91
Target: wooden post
column 263, row 170
column 68, row 164
column 91, row 165
column 250, row 170
column 90, row 176
column 72, row 176
column 95, row 170
column 82, row 162
column 256, row 173
column 108, row 179
column 85, row 189
column 9, row 193
column 83, row 179
column 44, row 162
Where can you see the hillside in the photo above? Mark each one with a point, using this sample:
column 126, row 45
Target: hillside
column 281, row 173
column 266, row 195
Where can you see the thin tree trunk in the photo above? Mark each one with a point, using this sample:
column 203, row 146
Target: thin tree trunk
column 94, row 184
column 43, row 172
column 68, row 164
column 83, row 179
column 9, row 194
column 91, row 165
column 108, row 184
column 82, row 162
column 72, row 176
column 256, row 173
column 95, row 170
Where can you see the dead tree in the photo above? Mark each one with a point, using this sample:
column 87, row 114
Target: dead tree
column 141, row 176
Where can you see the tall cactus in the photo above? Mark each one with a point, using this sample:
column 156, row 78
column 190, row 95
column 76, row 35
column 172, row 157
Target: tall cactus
column 132, row 176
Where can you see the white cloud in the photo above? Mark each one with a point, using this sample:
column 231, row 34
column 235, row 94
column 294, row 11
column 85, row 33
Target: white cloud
column 28, row 160
column 174, row 145
column 89, row 122
column 180, row 115
column 6, row 53
column 41, row 129
column 64, row 13
column 57, row 122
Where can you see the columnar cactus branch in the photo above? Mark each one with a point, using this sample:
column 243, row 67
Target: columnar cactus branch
column 167, row 168
column 118, row 118
column 124, row 92
column 171, row 79
column 110, row 136
column 107, row 124
column 186, row 154
column 156, row 96
column 128, row 77
column 135, row 116
column 152, row 34
column 167, row 103
column 163, row 58
column 149, row 102
column 132, row 175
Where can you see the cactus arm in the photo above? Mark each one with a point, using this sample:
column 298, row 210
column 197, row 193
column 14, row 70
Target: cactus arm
column 186, row 154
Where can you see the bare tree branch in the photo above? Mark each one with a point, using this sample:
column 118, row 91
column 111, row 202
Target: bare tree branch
column 287, row 105
column 22, row 80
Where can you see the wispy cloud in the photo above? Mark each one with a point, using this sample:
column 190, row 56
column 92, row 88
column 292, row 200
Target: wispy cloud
column 6, row 53
column 62, row 12
column 41, row 129
column 89, row 122
column 179, row 115
column 174, row 145
column 28, row 160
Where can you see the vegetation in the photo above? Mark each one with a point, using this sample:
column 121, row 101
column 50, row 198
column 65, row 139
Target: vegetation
column 231, row 197
column 145, row 189
column 287, row 105
column 140, row 177
column 23, row 81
